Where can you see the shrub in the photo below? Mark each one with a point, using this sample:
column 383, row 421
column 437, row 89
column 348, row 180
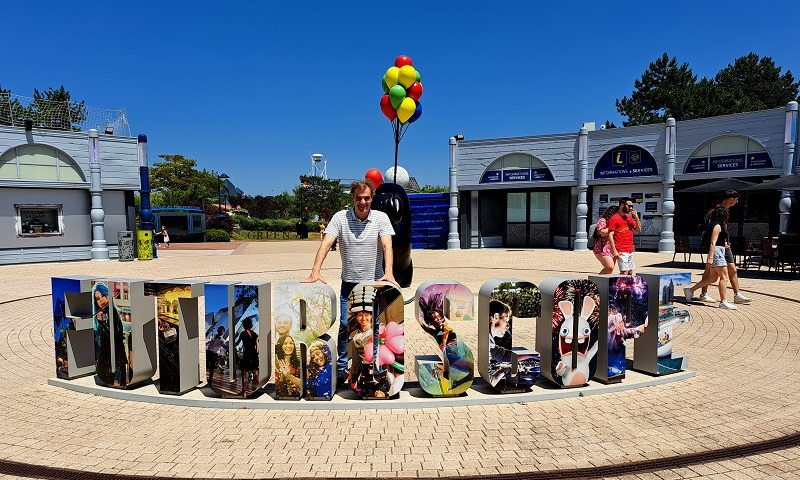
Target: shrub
column 222, row 222
column 217, row 235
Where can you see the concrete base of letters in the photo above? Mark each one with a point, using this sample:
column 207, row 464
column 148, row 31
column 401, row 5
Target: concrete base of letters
column 412, row 397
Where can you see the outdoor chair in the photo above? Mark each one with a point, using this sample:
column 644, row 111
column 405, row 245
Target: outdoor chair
column 744, row 251
column 768, row 254
column 788, row 253
column 684, row 246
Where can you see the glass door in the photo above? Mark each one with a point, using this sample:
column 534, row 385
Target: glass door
column 528, row 219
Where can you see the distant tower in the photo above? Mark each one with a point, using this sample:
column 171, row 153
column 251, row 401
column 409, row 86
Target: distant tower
column 319, row 166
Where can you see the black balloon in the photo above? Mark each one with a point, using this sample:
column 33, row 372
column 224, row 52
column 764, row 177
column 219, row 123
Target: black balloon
column 392, row 200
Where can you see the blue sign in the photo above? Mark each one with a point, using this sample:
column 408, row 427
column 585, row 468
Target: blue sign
column 517, row 175
column 722, row 163
column 726, row 162
column 697, row 165
column 759, row 160
column 542, row 174
column 491, row 176
column 625, row 161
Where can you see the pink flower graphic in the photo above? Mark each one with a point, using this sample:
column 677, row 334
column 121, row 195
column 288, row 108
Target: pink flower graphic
column 390, row 343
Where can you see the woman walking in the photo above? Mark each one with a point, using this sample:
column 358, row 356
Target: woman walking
column 165, row 235
column 602, row 248
column 718, row 237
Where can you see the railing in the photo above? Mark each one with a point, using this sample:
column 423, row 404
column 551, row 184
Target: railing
column 15, row 110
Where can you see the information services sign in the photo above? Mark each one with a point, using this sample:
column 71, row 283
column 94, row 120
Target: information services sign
column 625, row 161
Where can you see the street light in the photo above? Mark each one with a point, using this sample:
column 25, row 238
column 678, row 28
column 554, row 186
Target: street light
column 219, row 193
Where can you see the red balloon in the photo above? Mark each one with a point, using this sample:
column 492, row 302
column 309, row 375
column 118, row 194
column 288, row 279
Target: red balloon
column 375, row 176
column 403, row 60
column 387, row 108
column 415, row 91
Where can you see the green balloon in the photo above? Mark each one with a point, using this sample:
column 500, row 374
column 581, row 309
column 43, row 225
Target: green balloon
column 383, row 85
column 418, row 77
column 396, row 95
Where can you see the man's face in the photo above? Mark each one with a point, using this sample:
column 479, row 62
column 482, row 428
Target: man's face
column 362, row 200
column 626, row 207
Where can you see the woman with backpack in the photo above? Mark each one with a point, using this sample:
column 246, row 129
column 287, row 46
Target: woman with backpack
column 602, row 249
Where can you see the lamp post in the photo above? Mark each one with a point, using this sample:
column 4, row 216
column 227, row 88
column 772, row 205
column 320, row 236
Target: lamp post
column 453, row 242
column 219, row 193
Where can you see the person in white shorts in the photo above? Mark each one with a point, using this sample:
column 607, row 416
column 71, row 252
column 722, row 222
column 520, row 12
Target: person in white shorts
column 718, row 239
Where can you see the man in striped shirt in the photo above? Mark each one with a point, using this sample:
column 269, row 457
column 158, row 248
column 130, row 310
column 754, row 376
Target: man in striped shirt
column 365, row 245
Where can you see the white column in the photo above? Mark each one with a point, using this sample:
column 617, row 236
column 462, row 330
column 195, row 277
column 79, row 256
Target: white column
column 453, row 242
column 97, row 215
column 582, row 209
column 789, row 140
column 666, row 244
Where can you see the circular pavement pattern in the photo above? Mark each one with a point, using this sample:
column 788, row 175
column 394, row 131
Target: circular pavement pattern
column 738, row 417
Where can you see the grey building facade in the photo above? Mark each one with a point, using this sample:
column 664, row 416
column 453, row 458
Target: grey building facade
column 45, row 198
column 545, row 190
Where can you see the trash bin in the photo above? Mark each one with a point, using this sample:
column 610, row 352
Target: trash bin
column 144, row 244
column 125, row 244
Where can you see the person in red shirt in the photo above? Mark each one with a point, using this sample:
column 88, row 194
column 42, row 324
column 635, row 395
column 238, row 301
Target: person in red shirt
column 620, row 235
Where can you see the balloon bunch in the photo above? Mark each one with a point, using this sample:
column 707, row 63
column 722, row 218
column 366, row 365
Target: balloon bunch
column 402, row 91
column 400, row 103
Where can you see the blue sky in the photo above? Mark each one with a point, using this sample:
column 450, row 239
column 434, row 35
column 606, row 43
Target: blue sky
column 252, row 89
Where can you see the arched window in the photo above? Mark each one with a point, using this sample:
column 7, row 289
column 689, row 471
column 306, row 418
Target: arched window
column 39, row 163
column 728, row 152
column 516, row 167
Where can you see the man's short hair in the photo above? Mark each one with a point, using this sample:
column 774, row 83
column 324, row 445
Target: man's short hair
column 360, row 185
column 498, row 307
column 729, row 194
column 625, row 200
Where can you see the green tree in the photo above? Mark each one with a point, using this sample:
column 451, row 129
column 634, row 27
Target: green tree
column 11, row 111
column 319, row 196
column 754, row 83
column 433, row 189
column 176, row 181
column 665, row 89
column 668, row 89
column 55, row 109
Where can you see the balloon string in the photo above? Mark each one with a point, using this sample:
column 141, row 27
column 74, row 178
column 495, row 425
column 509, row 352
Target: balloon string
column 396, row 146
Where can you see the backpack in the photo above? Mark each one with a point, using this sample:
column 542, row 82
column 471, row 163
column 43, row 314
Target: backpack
column 594, row 236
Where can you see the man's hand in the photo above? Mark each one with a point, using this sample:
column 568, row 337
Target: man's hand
column 315, row 276
column 389, row 278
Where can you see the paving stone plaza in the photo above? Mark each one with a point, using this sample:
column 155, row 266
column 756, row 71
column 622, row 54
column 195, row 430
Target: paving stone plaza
column 735, row 418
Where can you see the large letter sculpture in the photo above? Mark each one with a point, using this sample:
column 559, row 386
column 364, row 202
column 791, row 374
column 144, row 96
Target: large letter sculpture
column 653, row 353
column 623, row 314
column 376, row 350
column 73, row 327
column 178, row 334
column 567, row 334
column 238, row 360
column 505, row 367
column 392, row 199
column 305, row 350
column 124, row 332
column 439, row 305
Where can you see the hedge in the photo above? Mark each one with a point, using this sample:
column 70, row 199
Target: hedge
column 217, row 235
column 272, row 224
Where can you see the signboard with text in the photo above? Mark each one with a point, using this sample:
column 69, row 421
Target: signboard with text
column 722, row 163
column 625, row 161
column 511, row 175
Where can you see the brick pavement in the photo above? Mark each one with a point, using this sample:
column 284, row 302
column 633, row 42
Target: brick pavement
column 743, row 392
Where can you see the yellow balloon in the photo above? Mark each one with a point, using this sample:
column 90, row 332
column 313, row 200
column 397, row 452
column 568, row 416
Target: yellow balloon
column 406, row 109
column 408, row 75
column 391, row 76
